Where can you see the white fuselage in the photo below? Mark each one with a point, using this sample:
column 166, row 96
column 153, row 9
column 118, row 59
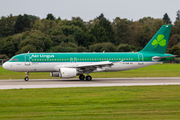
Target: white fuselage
column 51, row 67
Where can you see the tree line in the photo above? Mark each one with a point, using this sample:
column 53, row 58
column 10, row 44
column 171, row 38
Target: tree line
column 23, row 33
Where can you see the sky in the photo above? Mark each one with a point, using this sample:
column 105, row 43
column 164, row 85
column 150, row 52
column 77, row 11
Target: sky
column 90, row 9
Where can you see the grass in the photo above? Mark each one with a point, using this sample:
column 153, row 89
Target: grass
column 136, row 102
column 159, row 70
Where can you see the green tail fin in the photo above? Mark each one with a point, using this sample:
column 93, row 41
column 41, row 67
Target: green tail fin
column 158, row 43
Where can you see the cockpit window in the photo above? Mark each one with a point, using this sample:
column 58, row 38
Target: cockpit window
column 14, row 59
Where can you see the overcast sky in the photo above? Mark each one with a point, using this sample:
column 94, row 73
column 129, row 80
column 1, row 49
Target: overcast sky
column 89, row 9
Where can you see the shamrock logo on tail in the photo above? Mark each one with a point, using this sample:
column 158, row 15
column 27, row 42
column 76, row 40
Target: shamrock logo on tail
column 160, row 41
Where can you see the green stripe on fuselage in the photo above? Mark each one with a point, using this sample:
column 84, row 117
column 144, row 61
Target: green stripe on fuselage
column 86, row 57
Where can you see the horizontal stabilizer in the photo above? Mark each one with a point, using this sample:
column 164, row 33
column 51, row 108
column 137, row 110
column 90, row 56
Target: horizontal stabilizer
column 157, row 58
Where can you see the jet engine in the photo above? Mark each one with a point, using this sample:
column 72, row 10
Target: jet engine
column 65, row 73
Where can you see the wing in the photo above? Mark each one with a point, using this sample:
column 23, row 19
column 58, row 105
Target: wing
column 92, row 67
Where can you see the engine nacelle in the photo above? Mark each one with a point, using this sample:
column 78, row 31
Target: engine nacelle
column 54, row 74
column 67, row 72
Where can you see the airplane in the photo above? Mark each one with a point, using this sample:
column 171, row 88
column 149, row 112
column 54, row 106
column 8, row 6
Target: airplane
column 69, row 65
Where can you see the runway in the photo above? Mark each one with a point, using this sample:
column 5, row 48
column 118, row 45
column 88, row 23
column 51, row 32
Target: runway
column 60, row 83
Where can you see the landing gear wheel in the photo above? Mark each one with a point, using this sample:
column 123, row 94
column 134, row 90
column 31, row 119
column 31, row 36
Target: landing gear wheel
column 26, row 78
column 81, row 77
column 88, row 78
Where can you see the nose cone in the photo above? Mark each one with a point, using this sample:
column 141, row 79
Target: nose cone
column 5, row 66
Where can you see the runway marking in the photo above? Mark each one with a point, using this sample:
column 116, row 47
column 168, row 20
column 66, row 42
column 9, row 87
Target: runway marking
column 96, row 82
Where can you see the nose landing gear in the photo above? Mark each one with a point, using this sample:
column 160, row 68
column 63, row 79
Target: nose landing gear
column 26, row 78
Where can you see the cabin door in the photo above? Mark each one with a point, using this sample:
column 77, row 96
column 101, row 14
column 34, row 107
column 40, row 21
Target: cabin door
column 140, row 59
column 27, row 60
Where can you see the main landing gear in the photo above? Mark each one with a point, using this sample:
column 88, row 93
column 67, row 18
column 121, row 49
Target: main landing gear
column 26, row 78
column 82, row 77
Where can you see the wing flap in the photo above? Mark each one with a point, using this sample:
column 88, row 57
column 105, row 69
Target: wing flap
column 97, row 65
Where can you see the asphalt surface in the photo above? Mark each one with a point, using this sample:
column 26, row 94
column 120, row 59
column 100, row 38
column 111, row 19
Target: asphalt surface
column 60, row 83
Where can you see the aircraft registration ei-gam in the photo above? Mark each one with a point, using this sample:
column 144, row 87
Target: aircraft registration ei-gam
column 69, row 65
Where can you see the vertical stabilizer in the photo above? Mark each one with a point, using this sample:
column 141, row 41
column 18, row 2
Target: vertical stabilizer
column 158, row 43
